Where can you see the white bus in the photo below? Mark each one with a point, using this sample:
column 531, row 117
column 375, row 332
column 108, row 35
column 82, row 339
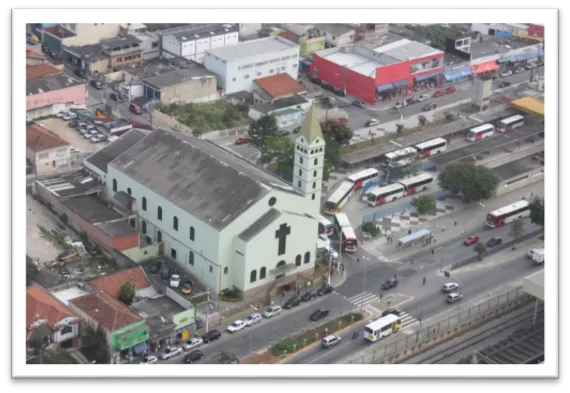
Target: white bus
column 480, row 132
column 508, row 214
column 432, row 147
column 341, row 220
column 380, row 195
column 416, row 183
column 400, row 158
column 325, row 226
column 339, row 198
column 382, row 327
column 349, row 240
column 510, row 123
column 360, row 178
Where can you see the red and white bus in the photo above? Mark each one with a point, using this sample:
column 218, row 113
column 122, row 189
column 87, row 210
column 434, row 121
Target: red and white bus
column 416, row 183
column 339, row 198
column 432, row 147
column 400, row 158
column 480, row 132
column 380, row 195
column 349, row 240
column 508, row 214
column 325, row 226
column 360, row 178
column 510, row 123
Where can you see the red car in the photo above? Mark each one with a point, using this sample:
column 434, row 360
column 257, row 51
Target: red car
column 471, row 240
column 242, row 140
column 450, row 90
column 439, row 93
column 135, row 109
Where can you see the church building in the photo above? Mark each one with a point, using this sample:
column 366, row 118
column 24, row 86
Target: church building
column 232, row 224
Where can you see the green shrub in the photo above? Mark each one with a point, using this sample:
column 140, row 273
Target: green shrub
column 370, row 228
column 200, row 298
column 230, row 295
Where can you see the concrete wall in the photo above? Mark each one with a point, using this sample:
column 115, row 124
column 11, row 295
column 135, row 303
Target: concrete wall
column 193, row 90
column 170, row 122
column 69, row 95
column 519, row 181
column 100, row 66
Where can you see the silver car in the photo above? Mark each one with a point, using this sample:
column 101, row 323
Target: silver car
column 449, row 287
column 253, row 319
column 453, row 297
column 272, row 311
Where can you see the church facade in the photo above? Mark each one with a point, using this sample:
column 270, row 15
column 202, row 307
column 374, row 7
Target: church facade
column 228, row 222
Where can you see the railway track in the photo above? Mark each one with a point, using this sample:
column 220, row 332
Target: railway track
column 526, row 314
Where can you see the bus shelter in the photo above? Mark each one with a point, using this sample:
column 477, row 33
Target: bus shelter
column 418, row 236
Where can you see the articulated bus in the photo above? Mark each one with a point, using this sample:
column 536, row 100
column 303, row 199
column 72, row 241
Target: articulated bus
column 480, row 132
column 508, row 214
column 339, row 198
column 360, row 178
column 432, row 147
column 416, row 183
column 400, row 158
column 380, row 195
column 349, row 241
column 325, row 226
column 510, row 123
column 382, row 327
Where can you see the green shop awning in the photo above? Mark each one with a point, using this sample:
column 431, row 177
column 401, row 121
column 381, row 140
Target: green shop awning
column 505, row 60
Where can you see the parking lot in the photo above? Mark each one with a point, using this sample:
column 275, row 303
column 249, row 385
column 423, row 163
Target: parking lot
column 36, row 246
column 61, row 128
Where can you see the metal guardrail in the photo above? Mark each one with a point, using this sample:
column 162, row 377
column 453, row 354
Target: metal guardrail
column 415, row 341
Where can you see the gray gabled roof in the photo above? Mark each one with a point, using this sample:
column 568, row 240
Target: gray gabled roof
column 101, row 158
column 209, row 182
column 260, row 224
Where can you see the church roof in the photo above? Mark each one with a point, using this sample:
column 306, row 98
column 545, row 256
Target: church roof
column 311, row 128
column 259, row 225
column 211, row 183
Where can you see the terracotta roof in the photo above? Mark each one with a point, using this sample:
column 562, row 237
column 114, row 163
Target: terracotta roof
column 112, row 283
column 39, row 139
column 280, row 85
column 42, row 305
column 33, row 55
column 40, row 71
column 104, row 309
column 290, row 36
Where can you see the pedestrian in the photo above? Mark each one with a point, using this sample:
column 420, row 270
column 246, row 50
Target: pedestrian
column 283, row 294
column 424, row 281
column 455, row 223
column 298, row 292
column 409, row 231
column 434, row 239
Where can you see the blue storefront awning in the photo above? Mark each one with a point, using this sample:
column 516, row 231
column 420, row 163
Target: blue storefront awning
column 140, row 347
column 426, row 76
column 526, row 56
column 380, row 88
column 402, row 83
column 457, row 74
column 541, row 52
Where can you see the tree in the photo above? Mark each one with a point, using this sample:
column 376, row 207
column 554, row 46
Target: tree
column 96, row 342
column 31, row 269
column 422, row 120
column 228, row 358
column 370, row 228
column 261, row 130
column 537, row 211
column 36, row 342
column 336, row 130
column 517, row 229
column 480, row 249
column 475, row 182
column 424, row 203
column 127, row 293
column 332, row 156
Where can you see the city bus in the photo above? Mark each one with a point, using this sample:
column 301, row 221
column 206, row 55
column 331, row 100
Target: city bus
column 510, row 123
column 400, row 158
column 380, row 195
column 325, row 226
column 382, row 327
column 339, row 198
column 508, row 214
column 432, row 147
column 416, row 183
column 360, row 178
column 349, row 240
column 341, row 220
column 480, row 132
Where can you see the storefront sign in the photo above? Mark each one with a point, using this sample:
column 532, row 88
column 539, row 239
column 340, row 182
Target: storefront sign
column 184, row 318
column 456, row 67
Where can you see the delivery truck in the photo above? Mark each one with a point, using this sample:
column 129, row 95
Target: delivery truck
column 537, row 255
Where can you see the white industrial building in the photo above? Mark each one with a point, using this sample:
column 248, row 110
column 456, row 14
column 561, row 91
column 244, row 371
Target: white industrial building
column 239, row 65
column 192, row 41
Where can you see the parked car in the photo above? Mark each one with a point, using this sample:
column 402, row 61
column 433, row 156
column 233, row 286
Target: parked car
column 324, row 290
column 88, row 134
column 170, row 352
column 66, row 117
column 97, row 84
column 292, row 302
column 319, row 314
column 429, row 107
column 253, row 319
column 192, row 343
column 372, row 122
column 339, row 92
column 359, row 104
column 166, row 272
column 504, row 84
column 90, row 127
column 272, row 311
column 134, row 108
column 62, row 114
column 66, row 255
column 297, row 130
column 151, row 359
column 212, row 335
column 193, row 357
column 396, row 311
column 328, row 87
column 423, row 97
column 506, row 73
column 236, row 326
column 518, row 70
column 308, row 296
column 450, row 89
column 175, row 281
column 471, row 240
column 389, row 284
column 439, row 93
column 531, row 66
column 81, row 124
column 315, row 80
column 400, row 105
column 284, row 132
column 330, row 341
column 186, row 288
column 116, row 97
column 494, row 241
column 98, row 138
column 72, row 124
column 242, row 140
column 449, row 287
column 411, row 101
column 453, row 297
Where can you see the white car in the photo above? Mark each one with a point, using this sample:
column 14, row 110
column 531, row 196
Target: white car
column 400, row 105
column 253, row 319
column 72, row 115
column 504, row 74
column 97, row 138
column 449, row 287
column 66, row 117
column 175, row 281
column 62, row 114
column 372, row 122
column 334, row 255
column 192, row 343
column 423, row 97
column 170, row 352
column 236, row 326
column 89, row 134
column 272, row 311
column 151, row 359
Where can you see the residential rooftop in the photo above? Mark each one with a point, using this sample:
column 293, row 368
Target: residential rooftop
column 283, row 103
column 175, row 77
column 102, row 157
column 43, row 307
column 116, row 228
column 90, row 52
column 335, row 29
column 119, row 42
column 41, row 70
column 252, row 48
column 39, row 139
column 196, row 31
column 154, row 67
column 450, row 59
column 91, row 209
column 279, row 85
column 112, row 283
column 68, row 294
column 159, row 305
column 51, row 83
column 494, row 46
column 73, row 184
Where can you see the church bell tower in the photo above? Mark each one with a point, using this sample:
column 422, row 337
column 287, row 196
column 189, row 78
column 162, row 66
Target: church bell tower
column 309, row 162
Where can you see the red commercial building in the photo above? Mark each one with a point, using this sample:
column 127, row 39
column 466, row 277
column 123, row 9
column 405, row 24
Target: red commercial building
column 388, row 67
column 536, row 30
